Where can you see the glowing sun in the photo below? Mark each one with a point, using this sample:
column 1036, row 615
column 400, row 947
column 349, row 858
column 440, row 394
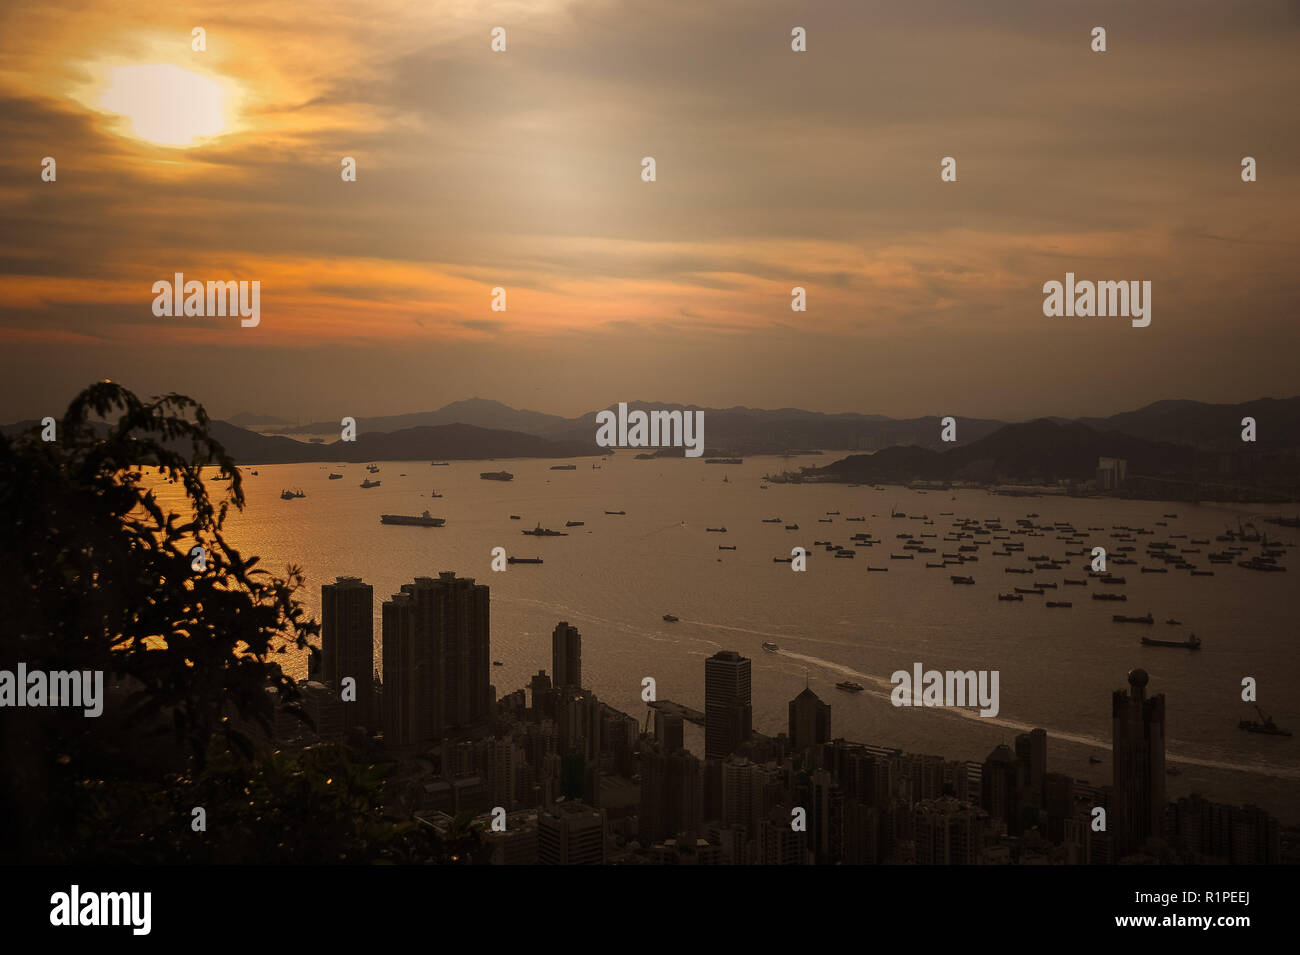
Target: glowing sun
column 166, row 104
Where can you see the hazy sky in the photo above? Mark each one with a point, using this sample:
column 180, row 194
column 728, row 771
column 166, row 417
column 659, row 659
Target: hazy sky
column 774, row 169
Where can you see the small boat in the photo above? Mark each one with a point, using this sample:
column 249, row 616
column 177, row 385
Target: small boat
column 1121, row 618
column 1265, row 725
column 573, row 523
column 850, row 686
column 564, row 467
column 792, row 527
column 1029, row 590
column 1173, row 623
column 726, row 547
column 523, row 560
column 438, row 464
column 845, row 553
column 616, row 512
column 515, row 517
column 670, row 618
column 254, row 473
column 770, row 647
column 1094, row 759
column 335, row 477
column 771, row 520
column 1011, row 597
column 496, row 476
column 715, row 530
column 782, row 560
column 434, row 494
column 878, row 570
column 497, row 663
column 962, row 580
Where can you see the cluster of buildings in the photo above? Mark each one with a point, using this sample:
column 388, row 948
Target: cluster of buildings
column 552, row 775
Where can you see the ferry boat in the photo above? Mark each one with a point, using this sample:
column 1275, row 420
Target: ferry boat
column 770, row 647
column 369, row 483
column 424, row 520
column 496, row 476
column 523, row 560
column 1191, row 643
column 850, row 686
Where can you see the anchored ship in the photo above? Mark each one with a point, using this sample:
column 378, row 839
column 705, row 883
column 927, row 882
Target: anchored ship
column 424, row 520
column 1191, row 643
column 496, row 475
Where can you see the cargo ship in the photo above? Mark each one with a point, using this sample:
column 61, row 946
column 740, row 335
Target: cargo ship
column 564, row 467
column 724, row 461
column 1120, row 618
column 496, row 476
column 1191, row 643
column 573, row 523
column 424, row 520
column 540, row 531
column 369, row 483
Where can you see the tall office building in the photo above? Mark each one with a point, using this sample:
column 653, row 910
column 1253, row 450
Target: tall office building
column 728, row 716
column 671, row 795
column 571, row 833
column 1138, row 749
column 566, row 655
column 810, row 721
column 1031, row 755
column 437, row 659
column 348, row 645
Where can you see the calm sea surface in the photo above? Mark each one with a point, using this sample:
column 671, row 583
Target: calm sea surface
column 616, row 577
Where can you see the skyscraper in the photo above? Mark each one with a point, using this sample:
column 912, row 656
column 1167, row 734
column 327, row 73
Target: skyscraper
column 348, row 645
column 810, row 720
column 437, row 658
column 1139, row 763
column 566, row 655
column 728, row 716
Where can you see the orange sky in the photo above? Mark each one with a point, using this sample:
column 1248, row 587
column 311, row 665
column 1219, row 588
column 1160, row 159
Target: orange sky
column 522, row 170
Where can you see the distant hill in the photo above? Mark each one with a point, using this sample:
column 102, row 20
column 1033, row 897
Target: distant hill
column 1037, row 451
column 478, row 412
column 1207, row 426
column 246, row 419
column 451, row 442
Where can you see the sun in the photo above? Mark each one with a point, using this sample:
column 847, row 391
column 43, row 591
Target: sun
column 165, row 104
